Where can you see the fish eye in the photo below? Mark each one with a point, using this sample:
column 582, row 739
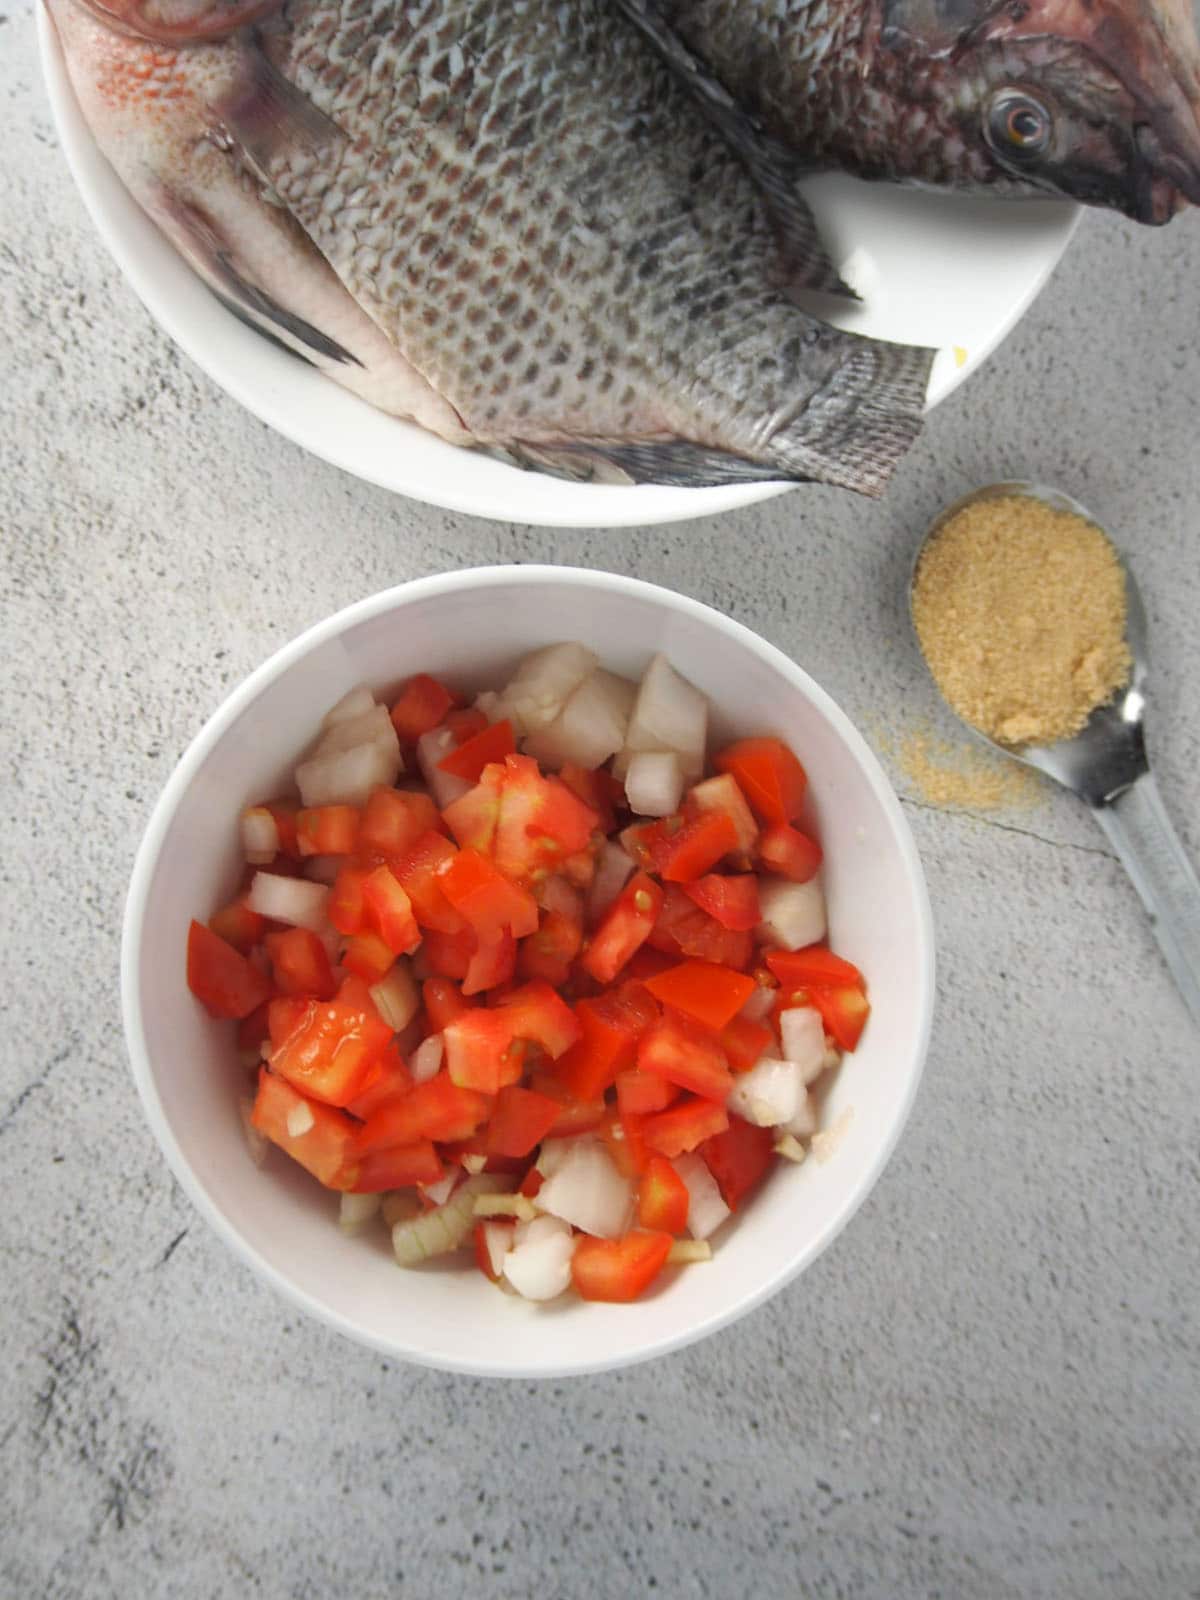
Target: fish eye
column 1018, row 125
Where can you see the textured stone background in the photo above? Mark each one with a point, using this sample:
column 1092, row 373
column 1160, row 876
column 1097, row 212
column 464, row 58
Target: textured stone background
column 987, row 1388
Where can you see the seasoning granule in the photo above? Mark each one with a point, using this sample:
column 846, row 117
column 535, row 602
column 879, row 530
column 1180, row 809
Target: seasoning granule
column 1020, row 612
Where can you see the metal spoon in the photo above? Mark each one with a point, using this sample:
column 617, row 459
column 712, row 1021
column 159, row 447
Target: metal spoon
column 1106, row 765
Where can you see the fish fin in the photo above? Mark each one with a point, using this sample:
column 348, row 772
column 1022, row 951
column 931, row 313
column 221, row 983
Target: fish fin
column 805, row 263
column 266, row 115
column 207, row 252
column 676, row 463
column 855, row 428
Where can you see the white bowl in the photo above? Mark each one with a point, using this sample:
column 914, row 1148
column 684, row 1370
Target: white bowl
column 469, row 626
column 938, row 270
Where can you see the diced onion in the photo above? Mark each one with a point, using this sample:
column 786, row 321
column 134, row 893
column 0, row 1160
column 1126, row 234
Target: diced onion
column 505, row 1205
column 793, row 914
column 443, row 1230
column 426, row 1060
column 474, row 1164
column 554, row 1152
column 790, row 1148
column 684, row 1251
column 539, row 1264
column 260, row 836
column 300, row 1120
column 543, row 682
column 438, row 1193
column 400, row 1205
column 364, row 728
column 397, row 998
column 291, row 900
column 352, row 704
column 669, row 714
column 346, row 777
column 356, row 1210
column 497, row 1242
column 443, row 786
column 706, row 1207
column 554, row 893
column 489, row 703
column 769, row 1094
column 654, row 783
column 614, row 868
column 588, row 1191
column 803, row 1035
column 590, row 727
column 803, row 1121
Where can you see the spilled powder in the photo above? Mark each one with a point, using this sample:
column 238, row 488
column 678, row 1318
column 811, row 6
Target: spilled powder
column 964, row 776
column 1020, row 613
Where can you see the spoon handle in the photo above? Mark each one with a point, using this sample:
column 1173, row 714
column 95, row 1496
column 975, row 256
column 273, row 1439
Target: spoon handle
column 1141, row 833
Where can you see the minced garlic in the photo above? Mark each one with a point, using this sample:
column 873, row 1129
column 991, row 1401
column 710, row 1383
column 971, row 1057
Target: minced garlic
column 1020, row 613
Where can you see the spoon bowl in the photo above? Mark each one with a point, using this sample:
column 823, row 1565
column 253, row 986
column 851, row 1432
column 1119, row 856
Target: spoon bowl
column 1107, row 766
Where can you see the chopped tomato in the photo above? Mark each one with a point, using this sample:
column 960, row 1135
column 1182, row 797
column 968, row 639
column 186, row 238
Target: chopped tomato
column 541, row 821
column 790, row 853
column 618, row 1269
column 599, row 791
column 712, row 994
column 478, row 1050
column 575, row 1115
column 682, row 929
column 532, row 1181
column 731, row 901
column 492, row 964
column 283, row 812
column 368, row 957
column 393, row 820
column 391, row 911
column 722, row 794
column 606, row 1045
column 814, row 965
column 327, row 830
column 648, row 963
column 625, row 926
column 844, row 1013
column 436, row 1109
column 300, row 964
column 745, row 1043
column 640, row 1093
column 769, row 775
column 443, row 1002
column 422, row 706
column 474, row 816
column 738, row 1158
column 662, row 1202
column 684, row 1126
column 622, row 1135
column 686, row 1054
column 394, row 1081
column 417, row 873
column 485, row 898
column 520, row 1121
column 535, row 1011
column 320, row 1139
column 238, row 925
column 488, row 745
column 346, row 905
column 254, row 1029
column 550, row 952
column 397, row 1168
column 331, row 1049
column 449, row 955
column 222, row 979
column 697, row 847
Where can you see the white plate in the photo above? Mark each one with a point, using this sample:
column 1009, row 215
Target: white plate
column 939, row 270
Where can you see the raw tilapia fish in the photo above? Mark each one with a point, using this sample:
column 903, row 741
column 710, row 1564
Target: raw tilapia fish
column 1097, row 100
column 507, row 221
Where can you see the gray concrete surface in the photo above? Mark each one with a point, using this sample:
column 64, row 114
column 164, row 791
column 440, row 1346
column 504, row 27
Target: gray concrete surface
column 987, row 1388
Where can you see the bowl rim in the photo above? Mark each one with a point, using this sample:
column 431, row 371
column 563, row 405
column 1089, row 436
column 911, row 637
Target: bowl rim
column 244, row 694
column 588, row 506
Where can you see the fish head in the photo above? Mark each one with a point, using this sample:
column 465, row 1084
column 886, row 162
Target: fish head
column 1095, row 100
column 175, row 22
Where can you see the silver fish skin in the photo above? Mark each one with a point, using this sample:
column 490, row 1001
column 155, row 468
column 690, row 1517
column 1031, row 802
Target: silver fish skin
column 510, row 217
column 1095, row 100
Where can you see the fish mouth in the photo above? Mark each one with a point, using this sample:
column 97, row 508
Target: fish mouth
column 1165, row 181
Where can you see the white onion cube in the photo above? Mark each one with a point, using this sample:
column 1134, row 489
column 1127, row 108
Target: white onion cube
column 793, row 914
column 654, row 783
